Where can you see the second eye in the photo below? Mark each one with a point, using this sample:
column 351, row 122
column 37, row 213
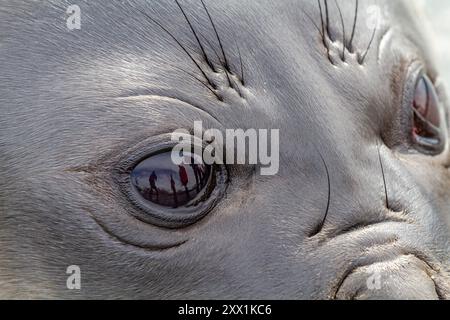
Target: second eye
column 428, row 132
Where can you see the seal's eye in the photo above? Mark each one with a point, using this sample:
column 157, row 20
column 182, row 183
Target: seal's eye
column 161, row 182
column 164, row 193
column 428, row 129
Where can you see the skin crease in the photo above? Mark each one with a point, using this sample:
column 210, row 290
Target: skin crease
column 76, row 104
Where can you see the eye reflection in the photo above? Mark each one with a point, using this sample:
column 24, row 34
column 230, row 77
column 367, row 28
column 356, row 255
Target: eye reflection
column 160, row 181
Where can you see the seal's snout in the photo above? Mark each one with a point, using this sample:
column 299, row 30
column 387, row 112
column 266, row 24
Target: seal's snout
column 405, row 277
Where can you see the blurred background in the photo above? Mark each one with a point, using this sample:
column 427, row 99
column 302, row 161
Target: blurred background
column 438, row 12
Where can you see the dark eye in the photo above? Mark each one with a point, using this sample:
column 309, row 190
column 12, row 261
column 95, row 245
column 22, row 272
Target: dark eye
column 161, row 182
column 428, row 130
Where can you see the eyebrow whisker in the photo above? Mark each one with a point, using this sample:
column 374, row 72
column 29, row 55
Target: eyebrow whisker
column 199, row 80
column 226, row 65
column 384, row 176
column 314, row 23
column 236, row 87
column 324, row 40
column 205, row 56
column 321, row 19
column 327, row 18
column 343, row 29
column 180, row 45
column 212, row 48
column 363, row 57
column 350, row 44
column 319, row 228
column 241, row 63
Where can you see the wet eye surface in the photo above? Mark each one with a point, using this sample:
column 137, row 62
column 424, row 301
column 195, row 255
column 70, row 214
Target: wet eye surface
column 428, row 128
column 165, row 194
column 159, row 181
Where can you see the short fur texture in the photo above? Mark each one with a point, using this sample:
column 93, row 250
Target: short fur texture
column 73, row 104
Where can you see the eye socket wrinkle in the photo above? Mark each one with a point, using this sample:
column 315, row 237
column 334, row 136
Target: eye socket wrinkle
column 150, row 96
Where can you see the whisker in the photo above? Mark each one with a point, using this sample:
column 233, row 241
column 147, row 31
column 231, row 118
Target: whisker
column 236, row 87
column 212, row 48
column 350, row 44
column 217, row 35
column 226, row 65
column 228, row 78
column 384, row 176
column 314, row 23
column 241, row 63
column 321, row 19
column 327, row 17
column 220, row 60
column 180, row 45
column 205, row 56
column 241, row 79
column 363, row 57
column 199, row 80
column 343, row 29
column 323, row 32
column 322, row 224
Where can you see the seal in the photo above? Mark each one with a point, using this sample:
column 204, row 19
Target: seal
column 359, row 208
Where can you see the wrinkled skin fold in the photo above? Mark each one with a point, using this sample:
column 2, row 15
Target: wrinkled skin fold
column 351, row 214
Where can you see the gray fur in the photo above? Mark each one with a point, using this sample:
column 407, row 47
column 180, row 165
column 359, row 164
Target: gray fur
column 66, row 121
